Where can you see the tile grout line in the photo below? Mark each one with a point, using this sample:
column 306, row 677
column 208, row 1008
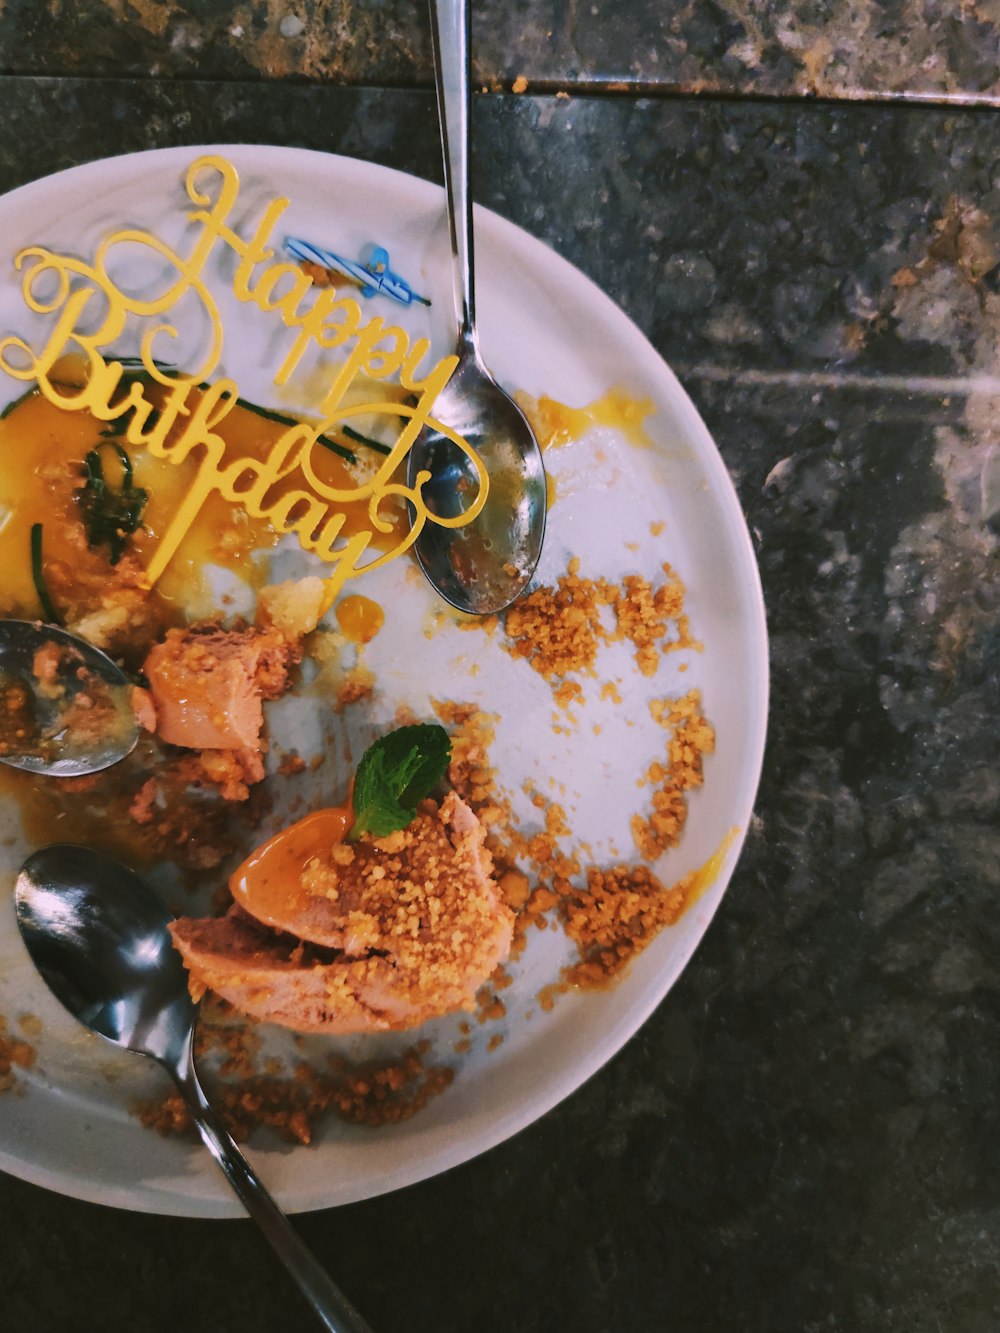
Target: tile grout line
column 936, row 386
column 595, row 89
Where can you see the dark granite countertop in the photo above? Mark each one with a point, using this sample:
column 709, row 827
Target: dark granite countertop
column 832, row 48
column 804, row 1137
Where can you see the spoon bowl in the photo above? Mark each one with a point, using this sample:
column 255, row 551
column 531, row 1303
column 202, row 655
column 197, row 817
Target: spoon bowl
column 486, row 564
column 106, row 955
column 68, row 717
column 100, row 937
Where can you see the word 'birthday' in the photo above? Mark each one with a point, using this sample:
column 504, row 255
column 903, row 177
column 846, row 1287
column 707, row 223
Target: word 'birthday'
column 91, row 311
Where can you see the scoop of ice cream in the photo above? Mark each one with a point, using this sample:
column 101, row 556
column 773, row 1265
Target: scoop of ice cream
column 207, row 684
column 381, row 933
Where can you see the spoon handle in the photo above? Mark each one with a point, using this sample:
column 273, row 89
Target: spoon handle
column 335, row 1311
column 450, row 38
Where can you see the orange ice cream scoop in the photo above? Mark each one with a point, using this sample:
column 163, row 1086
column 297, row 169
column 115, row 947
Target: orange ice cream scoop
column 207, row 685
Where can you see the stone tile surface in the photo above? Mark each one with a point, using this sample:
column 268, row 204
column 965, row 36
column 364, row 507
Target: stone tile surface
column 748, row 237
column 804, row 1138
column 833, row 48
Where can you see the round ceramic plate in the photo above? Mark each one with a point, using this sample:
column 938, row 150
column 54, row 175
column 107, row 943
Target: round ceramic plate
column 620, row 507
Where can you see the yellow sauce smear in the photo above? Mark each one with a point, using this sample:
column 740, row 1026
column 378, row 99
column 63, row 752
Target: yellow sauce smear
column 705, row 876
column 555, row 424
column 359, row 617
column 93, row 811
column 42, row 450
column 46, row 818
column 269, row 882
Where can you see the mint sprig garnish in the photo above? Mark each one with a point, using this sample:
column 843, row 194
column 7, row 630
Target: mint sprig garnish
column 110, row 516
column 394, row 776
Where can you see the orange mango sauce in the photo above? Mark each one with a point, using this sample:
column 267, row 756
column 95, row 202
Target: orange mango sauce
column 42, row 450
column 359, row 617
column 91, row 811
column 556, row 425
column 705, row 876
column 269, row 882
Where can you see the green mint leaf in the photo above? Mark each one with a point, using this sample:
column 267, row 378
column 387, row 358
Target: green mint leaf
column 394, row 776
column 110, row 516
column 52, row 616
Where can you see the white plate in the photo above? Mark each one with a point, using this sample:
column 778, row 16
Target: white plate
column 545, row 329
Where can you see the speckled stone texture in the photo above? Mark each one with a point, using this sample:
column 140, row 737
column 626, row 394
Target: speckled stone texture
column 805, row 1138
column 833, row 48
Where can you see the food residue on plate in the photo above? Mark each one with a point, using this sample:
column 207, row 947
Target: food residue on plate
column 320, row 931
column 344, row 937
column 15, row 1052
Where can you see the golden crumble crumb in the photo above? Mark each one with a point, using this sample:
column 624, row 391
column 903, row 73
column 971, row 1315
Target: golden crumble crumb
column 691, row 737
column 514, row 888
column 491, row 1007
column 469, row 771
column 520, row 84
column 569, row 692
column 372, row 1094
column 359, row 683
column 222, row 1031
column 614, row 918
column 614, row 912
column 643, row 613
column 547, row 995
column 487, row 624
column 558, row 630
column 684, row 639
column 15, row 1054
column 294, row 608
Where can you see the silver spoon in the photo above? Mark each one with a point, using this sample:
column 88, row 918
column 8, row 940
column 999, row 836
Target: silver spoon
column 485, row 565
column 98, row 935
column 75, row 722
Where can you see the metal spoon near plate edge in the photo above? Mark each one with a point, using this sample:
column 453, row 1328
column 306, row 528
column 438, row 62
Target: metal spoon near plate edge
column 99, row 936
column 485, row 565
column 97, row 933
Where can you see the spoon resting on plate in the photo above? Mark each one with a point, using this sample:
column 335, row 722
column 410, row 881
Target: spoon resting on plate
column 64, row 704
column 485, row 565
column 98, row 935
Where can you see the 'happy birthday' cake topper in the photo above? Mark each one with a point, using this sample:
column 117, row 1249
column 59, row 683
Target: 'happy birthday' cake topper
column 90, row 312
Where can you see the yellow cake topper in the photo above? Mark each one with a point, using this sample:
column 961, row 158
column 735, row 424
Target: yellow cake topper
column 91, row 311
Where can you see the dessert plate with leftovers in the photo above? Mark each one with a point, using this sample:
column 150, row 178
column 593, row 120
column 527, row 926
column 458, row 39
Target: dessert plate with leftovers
column 429, row 871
